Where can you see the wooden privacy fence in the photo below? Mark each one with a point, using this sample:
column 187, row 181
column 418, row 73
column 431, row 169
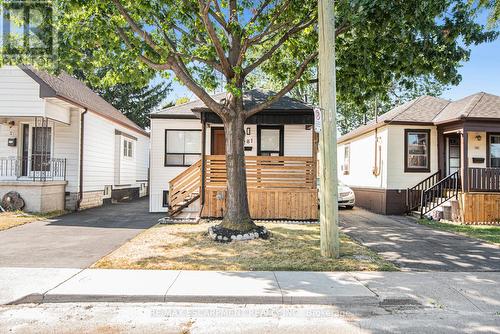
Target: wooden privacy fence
column 278, row 187
column 484, row 179
column 480, row 208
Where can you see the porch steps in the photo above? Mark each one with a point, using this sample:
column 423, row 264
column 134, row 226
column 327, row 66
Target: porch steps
column 443, row 211
column 177, row 209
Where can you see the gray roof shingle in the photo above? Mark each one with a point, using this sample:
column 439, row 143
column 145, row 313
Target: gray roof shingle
column 251, row 98
column 75, row 91
column 433, row 110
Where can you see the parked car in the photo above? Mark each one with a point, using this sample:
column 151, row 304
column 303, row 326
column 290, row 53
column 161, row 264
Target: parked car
column 346, row 198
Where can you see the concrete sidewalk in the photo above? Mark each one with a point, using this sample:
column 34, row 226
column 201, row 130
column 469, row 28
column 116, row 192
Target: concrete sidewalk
column 457, row 291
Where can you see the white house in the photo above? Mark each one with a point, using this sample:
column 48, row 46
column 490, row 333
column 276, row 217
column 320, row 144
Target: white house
column 64, row 147
column 188, row 166
column 423, row 153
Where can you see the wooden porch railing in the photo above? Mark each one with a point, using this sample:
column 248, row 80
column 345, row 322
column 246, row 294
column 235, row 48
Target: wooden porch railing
column 484, row 179
column 265, row 172
column 185, row 186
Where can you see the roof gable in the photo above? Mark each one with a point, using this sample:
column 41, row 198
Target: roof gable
column 66, row 87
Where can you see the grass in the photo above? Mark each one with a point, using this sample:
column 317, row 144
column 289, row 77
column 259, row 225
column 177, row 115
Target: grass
column 484, row 232
column 18, row 218
column 187, row 247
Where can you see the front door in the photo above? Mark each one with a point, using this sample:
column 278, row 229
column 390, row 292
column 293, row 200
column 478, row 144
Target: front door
column 218, row 146
column 452, row 153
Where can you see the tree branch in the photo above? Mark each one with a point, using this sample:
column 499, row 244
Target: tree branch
column 226, row 66
column 144, row 59
column 135, row 27
column 285, row 89
column 268, row 54
column 259, row 11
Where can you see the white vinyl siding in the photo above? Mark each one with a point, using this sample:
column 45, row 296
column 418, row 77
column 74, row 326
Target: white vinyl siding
column 161, row 174
column 365, row 171
column 396, row 176
column 19, row 94
column 67, row 146
column 100, row 158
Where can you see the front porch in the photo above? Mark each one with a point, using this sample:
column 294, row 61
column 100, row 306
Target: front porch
column 278, row 187
column 31, row 163
column 469, row 172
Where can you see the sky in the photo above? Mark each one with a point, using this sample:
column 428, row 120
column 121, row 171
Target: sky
column 480, row 74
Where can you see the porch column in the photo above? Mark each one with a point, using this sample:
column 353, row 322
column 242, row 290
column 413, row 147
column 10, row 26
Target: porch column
column 441, row 152
column 203, row 148
column 464, row 161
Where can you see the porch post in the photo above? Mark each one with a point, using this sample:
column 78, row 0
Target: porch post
column 464, row 161
column 441, row 152
column 203, row 148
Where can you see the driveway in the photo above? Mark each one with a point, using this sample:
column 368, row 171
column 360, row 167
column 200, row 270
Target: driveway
column 75, row 240
column 415, row 247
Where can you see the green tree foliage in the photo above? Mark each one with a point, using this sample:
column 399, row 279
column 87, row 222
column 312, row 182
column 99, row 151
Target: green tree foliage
column 494, row 7
column 135, row 102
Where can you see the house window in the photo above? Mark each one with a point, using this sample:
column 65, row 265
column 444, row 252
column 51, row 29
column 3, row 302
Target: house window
column 128, row 148
column 270, row 140
column 494, row 149
column 347, row 159
column 417, row 150
column 165, row 199
column 182, row 147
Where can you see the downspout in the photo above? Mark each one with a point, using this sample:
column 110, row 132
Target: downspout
column 82, row 128
column 203, row 160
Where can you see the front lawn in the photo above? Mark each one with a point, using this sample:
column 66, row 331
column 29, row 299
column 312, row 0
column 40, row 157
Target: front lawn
column 17, row 218
column 188, row 247
column 484, row 232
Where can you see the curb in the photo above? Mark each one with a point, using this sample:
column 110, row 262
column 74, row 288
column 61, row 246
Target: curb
column 345, row 301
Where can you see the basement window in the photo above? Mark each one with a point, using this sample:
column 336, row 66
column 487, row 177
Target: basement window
column 165, row 199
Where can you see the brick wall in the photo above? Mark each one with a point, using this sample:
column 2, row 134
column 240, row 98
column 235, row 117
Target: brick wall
column 91, row 199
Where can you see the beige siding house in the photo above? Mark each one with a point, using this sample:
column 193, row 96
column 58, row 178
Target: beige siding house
column 62, row 146
column 424, row 153
column 188, row 160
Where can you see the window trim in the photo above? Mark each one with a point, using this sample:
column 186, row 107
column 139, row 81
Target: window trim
column 129, row 148
column 164, row 203
column 348, row 170
column 418, row 169
column 488, row 147
column 183, row 154
column 281, row 128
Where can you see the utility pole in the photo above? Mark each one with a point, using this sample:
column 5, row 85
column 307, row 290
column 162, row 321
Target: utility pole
column 328, row 136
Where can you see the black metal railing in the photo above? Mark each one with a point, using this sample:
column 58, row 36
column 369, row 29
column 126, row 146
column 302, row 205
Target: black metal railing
column 439, row 193
column 414, row 194
column 484, row 179
column 34, row 168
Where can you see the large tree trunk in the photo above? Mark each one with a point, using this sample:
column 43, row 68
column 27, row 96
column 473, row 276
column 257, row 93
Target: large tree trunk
column 237, row 215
